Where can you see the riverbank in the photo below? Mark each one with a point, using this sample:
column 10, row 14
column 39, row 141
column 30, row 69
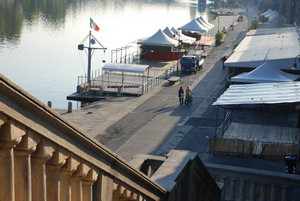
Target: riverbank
column 155, row 123
column 98, row 116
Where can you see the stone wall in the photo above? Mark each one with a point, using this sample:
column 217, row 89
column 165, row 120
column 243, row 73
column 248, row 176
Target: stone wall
column 46, row 158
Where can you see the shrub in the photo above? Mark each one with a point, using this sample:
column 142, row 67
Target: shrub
column 254, row 24
column 219, row 37
column 236, row 43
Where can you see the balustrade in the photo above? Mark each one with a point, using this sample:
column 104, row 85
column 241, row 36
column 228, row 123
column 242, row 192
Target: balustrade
column 46, row 158
column 262, row 185
column 36, row 169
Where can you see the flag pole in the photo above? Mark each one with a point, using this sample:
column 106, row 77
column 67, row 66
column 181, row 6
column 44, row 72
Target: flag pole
column 89, row 60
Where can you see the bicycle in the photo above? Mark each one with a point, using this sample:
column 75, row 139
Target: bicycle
column 189, row 100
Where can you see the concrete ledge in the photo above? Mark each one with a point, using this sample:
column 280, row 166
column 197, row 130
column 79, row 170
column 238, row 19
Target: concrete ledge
column 138, row 159
column 172, row 167
column 173, row 79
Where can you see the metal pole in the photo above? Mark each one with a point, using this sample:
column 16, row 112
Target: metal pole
column 218, row 23
column 216, row 122
column 178, row 55
column 232, row 18
column 89, row 61
column 117, row 55
column 125, row 54
column 121, row 54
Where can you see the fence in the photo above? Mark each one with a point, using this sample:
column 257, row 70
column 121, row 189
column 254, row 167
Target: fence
column 99, row 85
column 250, row 149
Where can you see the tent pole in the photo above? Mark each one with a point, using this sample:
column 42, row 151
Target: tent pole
column 216, row 122
column 148, row 79
column 143, row 87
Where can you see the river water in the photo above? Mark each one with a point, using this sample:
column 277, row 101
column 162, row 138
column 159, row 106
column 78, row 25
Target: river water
column 38, row 39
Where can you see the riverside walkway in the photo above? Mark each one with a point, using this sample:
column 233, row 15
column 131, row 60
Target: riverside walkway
column 155, row 123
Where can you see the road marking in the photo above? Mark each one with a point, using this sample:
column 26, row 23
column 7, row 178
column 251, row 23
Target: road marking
column 183, row 121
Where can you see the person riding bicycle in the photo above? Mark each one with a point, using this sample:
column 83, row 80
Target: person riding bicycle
column 188, row 93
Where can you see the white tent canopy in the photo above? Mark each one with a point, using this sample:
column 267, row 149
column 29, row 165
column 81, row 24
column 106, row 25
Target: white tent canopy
column 206, row 22
column 171, row 34
column 274, row 16
column 160, row 39
column 203, row 24
column 177, row 36
column 271, row 14
column 193, row 25
column 267, row 12
column 263, row 74
column 185, row 38
column 132, row 68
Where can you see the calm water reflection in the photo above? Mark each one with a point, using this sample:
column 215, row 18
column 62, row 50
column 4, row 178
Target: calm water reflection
column 38, row 39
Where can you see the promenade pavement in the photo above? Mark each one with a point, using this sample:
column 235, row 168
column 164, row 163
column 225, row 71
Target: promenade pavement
column 155, row 123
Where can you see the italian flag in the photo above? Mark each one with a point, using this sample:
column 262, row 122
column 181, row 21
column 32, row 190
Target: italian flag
column 94, row 25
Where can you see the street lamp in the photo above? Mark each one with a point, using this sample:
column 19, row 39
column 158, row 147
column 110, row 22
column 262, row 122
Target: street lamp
column 232, row 18
column 179, row 42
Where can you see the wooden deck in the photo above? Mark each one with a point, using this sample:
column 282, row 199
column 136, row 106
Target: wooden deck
column 267, row 133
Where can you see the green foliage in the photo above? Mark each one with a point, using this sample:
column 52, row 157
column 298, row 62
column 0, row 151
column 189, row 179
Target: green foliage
column 219, row 37
column 186, row 51
column 254, row 24
column 236, row 43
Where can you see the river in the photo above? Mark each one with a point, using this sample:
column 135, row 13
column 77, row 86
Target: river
column 38, row 39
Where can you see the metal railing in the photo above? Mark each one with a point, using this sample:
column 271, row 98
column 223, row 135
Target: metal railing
column 219, row 130
column 152, row 82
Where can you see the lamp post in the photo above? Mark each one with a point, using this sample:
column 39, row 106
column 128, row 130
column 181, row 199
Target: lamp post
column 218, row 23
column 178, row 56
column 232, row 18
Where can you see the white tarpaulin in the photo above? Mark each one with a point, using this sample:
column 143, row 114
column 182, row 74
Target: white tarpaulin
column 159, row 39
column 263, row 93
column 133, row 68
column 263, row 74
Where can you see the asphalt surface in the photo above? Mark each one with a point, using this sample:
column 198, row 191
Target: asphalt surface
column 155, row 123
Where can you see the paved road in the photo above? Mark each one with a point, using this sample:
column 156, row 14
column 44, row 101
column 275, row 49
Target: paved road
column 155, row 123
column 160, row 123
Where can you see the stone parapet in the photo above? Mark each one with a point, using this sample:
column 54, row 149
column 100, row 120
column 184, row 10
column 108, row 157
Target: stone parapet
column 44, row 157
column 185, row 177
column 260, row 185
